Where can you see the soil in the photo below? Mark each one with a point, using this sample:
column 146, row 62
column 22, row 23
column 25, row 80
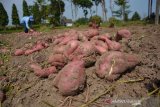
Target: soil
column 24, row 89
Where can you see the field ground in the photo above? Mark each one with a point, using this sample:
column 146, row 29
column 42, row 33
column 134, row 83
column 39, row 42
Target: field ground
column 24, row 89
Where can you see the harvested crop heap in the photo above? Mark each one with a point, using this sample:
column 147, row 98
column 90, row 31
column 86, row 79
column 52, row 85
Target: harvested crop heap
column 73, row 51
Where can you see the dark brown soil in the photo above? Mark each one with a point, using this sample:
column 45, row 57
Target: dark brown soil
column 24, row 89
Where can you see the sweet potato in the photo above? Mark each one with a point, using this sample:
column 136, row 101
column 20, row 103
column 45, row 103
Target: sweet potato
column 101, row 43
column 58, row 40
column 113, row 45
column 82, row 37
column 71, row 47
column 58, row 60
column 59, row 49
column 70, row 36
column 100, row 49
column 2, row 96
column 85, row 48
column 37, row 47
column 124, row 33
column 104, row 37
column 1, row 62
column 112, row 64
column 19, row 52
column 71, row 79
column 92, row 33
column 28, row 51
column 43, row 72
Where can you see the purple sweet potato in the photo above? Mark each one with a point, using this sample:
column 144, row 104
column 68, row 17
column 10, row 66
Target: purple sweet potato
column 58, row 60
column 2, row 96
column 71, row 79
column 85, row 48
column 112, row 64
column 43, row 72
column 124, row 33
column 19, row 52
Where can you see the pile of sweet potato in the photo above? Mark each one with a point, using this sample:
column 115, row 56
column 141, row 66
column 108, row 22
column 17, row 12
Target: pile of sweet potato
column 73, row 51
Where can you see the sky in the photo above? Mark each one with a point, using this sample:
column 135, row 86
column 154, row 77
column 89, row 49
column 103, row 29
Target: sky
column 141, row 6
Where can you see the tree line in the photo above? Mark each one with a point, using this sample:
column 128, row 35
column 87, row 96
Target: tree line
column 53, row 10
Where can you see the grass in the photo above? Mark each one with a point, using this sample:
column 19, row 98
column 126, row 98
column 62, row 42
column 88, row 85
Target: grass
column 48, row 28
column 121, row 23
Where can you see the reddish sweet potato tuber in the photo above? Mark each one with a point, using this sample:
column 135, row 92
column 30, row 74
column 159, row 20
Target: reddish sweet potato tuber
column 71, row 79
column 57, row 60
column 28, row 51
column 91, row 33
column 37, row 47
column 82, row 37
column 2, row 96
column 124, row 33
column 85, row 48
column 100, row 49
column 112, row 64
column 59, row 49
column 113, row 45
column 43, row 72
column 71, row 35
column 19, row 52
column 1, row 62
column 58, row 40
column 71, row 47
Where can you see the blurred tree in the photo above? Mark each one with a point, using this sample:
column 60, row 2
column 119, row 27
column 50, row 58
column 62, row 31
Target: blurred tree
column 96, row 19
column 96, row 2
column 71, row 2
column 157, row 12
column 3, row 16
column 36, row 13
column 15, row 17
column 122, row 12
column 136, row 16
column 25, row 9
column 81, row 21
column 111, row 7
column 84, row 4
column 44, row 11
column 104, row 10
column 150, row 2
column 56, row 10
column 43, row 8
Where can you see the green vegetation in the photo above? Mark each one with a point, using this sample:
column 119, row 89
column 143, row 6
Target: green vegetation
column 136, row 17
column 81, row 21
column 119, row 23
column 15, row 17
column 25, row 9
column 123, row 9
column 96, row 19
column 3, row 16
column 56, row 9
column 48, row 14
column 36, row 13
column 84, row 4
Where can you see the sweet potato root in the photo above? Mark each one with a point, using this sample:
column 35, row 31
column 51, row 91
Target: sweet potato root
column 92, row 32
column 124, row 33
column 37, row 47
column 71, row 79
column 85, row 48
column 112, row 64
column 58, row 60
column 2, row 96
column 43, row 72
column 19, row 52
